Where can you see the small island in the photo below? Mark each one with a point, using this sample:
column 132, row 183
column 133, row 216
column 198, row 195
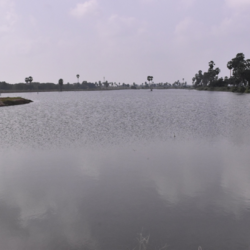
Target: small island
column 9, row 101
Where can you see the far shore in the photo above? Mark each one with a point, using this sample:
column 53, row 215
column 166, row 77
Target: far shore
column 241, row 89
column 54, row 90
column 90, row 89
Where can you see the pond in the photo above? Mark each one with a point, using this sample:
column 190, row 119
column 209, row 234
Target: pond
column 127, row 169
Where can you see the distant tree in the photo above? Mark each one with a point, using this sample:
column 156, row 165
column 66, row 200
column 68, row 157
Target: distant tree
column 241, row 70
column 85, row 85
column 211, row 65
column 134, row 86
column 106, row 84
column 5, row 86
column 230, row 66
column 30, row 79
column 150, row 79
column 60, row 83
column 211, row 76
column 207, row 78
column 246, row 73
column 197, row 79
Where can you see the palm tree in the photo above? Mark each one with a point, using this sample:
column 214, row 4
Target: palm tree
column 150, row 78
column 230, row 66
column 211, row 65
column 30, row 79
column 78, row 77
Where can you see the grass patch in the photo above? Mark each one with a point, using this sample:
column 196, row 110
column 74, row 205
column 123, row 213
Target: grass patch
column 8, row 101
column 10, row 98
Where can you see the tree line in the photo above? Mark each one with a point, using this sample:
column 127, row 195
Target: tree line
column 31, row 85
column 238, row 81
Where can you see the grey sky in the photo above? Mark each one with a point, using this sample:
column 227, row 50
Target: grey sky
column 125, row 41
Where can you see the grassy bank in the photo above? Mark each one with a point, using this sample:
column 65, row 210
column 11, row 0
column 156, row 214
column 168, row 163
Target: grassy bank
column 226, row 89
column 9, row 101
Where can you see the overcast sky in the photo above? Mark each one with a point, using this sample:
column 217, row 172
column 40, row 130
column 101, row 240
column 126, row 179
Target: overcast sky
column 123, row 41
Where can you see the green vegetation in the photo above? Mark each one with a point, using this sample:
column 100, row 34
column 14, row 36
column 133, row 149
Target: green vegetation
column 30, row 86
column 37, row 86
column 238, row 81
column 8, row 101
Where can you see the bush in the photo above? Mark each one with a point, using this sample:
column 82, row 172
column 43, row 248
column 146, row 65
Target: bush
column 234, row 89
column 241, row 89
column 247, row 90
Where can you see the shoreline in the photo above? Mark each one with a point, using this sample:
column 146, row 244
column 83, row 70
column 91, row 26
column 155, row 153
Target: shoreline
column 79, row 90
column 66, row 90
column 241, row 89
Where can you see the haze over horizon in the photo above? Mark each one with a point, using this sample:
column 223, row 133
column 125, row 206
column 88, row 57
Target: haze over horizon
column 123, row 41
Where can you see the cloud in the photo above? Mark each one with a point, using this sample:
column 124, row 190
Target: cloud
column 83, row 9
column 183, row 26
column 238, row 3
column 120, row 27
column 8, row 16
column 225, row 27
column 148, row 1
column 236, row 22
column 187, row 3
column 187, row 30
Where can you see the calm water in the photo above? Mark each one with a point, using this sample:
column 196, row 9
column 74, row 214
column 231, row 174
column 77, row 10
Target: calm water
column 94, row 170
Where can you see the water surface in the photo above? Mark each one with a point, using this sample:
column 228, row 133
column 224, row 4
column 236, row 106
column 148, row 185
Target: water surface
column 93, row 170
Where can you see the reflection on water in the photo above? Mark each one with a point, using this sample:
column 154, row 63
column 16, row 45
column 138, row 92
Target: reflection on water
column 75, row 176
